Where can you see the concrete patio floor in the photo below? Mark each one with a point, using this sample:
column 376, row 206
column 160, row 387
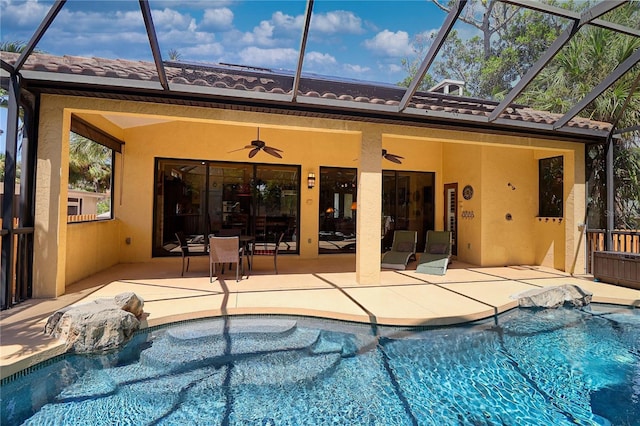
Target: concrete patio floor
column 466, row 293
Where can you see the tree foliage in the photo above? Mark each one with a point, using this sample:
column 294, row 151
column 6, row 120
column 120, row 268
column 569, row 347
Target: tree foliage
column 507, row 41
column 89, row 165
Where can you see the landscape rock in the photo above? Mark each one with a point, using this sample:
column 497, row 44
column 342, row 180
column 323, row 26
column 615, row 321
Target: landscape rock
column 554, row 297
column 129, row 302
column 100, row 326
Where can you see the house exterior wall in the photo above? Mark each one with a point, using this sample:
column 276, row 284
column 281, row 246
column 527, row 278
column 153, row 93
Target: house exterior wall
column 461, row 164
column 91, row 247
column 486, row 161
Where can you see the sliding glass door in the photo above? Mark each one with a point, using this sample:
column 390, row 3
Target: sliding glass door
column 202, row 197
column 407, row 204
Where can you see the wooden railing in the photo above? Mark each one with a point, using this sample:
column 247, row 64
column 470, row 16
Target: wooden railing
column 17, row 265
column 81, row 218
column 623, row 241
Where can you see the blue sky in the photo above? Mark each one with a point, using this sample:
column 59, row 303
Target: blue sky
column 355, row 39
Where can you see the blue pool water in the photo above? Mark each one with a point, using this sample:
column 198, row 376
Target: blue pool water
column 534, row 367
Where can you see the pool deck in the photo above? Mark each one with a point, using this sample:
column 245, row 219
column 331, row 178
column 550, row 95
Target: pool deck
column 466, row 293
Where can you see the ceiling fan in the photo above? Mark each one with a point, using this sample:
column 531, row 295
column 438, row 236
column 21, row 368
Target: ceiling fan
column 260, row 145
column 392, row 157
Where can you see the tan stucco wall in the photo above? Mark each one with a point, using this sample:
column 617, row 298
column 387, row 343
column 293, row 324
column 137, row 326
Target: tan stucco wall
column 488, row 162
column 508, row 242
column 91, row 247
column 462, row 166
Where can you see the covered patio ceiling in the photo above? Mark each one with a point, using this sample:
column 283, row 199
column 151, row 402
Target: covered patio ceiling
column 298, row 90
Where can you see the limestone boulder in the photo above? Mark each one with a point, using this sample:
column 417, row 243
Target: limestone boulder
column 100, row 326
column 130, row 302
column 554, row 297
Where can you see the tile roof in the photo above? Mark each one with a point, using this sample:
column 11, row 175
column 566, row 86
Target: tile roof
column 249, row 79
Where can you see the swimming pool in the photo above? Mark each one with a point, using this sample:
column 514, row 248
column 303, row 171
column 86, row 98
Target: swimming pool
column 534, row 367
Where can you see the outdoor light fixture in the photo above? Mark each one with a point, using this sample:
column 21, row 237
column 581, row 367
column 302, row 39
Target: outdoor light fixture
column 311, row 180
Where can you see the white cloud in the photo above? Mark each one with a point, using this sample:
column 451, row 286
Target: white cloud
column 324, row 59
column 217, row 19
column 280, row 30
column 276, row 57
column 287, row 22
column 193, row 4
column 261, row 35
column 88, row 22
column 168, row 19
column 129, row 19
column 210, row 52
column 394, row 68
column 357, row 69
column 23, row 14
column 338, row 21
column 388, row 43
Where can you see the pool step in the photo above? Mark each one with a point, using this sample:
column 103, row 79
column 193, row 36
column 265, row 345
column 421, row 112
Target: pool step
column 219, row 328
column 282, row 368
column 215, row 344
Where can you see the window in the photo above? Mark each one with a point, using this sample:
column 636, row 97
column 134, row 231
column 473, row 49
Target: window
column 90, row 180
column 550, row 189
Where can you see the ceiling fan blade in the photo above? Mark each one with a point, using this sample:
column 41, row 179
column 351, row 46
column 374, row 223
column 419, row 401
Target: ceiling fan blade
column 239, row 149
column 273, row 151
column 253, row 152
column 393, row 158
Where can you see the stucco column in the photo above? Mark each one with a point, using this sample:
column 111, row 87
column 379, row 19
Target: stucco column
column 369, row 204
column 575, row 215
column 49, row 257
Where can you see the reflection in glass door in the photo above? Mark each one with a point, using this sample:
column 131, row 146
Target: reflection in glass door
column 407, row 204
column 179, row 205
column 337, row 210
column 200, row 198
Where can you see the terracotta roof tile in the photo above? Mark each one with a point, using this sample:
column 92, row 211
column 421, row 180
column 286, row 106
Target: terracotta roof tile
column 258, row 80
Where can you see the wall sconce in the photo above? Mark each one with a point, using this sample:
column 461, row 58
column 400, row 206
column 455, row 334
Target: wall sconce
column 311, row 180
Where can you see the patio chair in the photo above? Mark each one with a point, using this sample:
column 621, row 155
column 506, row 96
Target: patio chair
column 224, row 250
column 402, row 250
column 268, row 249
column 186, row 253
column 437, row 253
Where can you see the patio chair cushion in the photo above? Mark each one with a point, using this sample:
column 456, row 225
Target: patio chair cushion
column 405, row 247
column 262, row 251
column 438, row 249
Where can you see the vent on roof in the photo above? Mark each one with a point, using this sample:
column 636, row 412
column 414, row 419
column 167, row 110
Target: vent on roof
column 449, row 87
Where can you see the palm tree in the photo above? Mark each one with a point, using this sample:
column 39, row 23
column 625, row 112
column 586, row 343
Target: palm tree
column 174, row 55
column 13, row 46
column 89, row 165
